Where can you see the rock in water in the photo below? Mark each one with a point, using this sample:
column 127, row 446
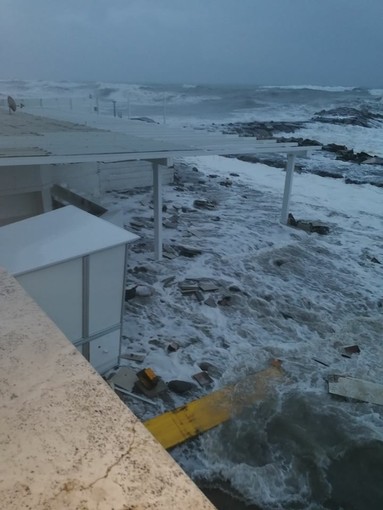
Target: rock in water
column 181, row 386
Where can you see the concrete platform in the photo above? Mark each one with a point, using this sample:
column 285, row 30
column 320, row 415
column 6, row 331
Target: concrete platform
column 66, row 440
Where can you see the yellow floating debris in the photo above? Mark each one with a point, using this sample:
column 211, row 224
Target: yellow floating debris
column 175, row 427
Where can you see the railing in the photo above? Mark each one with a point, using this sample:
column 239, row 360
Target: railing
column 92, row 104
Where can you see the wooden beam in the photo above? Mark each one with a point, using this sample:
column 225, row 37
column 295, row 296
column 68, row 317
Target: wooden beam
column 175, row 427
column 357, row 389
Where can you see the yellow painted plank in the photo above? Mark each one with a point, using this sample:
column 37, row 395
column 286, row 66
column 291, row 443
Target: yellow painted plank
column 175, row 427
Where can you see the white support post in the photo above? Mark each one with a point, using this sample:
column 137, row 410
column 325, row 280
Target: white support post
column 288, row 186
column 157, row 203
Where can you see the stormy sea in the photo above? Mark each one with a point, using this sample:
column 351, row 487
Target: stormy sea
column 309, row 294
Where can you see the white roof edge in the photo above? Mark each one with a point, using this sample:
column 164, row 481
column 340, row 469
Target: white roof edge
column 55, row 237
column 135, row 156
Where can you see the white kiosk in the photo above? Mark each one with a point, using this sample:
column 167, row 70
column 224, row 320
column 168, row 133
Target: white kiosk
column 73, row 265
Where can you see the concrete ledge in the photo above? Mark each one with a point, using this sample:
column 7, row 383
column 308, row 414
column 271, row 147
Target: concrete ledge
column 66, row 440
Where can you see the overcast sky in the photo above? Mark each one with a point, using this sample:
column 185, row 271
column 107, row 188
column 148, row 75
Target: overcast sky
column 275, row 42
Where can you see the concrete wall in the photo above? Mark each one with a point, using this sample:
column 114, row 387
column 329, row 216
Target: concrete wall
column 67, row 442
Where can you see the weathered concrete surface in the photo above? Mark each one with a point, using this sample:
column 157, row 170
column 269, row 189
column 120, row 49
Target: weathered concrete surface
column 22, row 123
column 67, row 441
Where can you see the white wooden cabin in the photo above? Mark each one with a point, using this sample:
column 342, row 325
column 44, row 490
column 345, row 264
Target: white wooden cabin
column 36, row 153
column 73, row 265
column 25, row 188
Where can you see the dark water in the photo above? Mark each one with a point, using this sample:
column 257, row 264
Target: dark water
column 325, row 461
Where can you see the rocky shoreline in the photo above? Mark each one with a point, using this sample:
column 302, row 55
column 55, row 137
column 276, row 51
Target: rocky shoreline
column 278, row 130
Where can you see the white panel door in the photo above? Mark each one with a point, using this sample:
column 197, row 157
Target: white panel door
column 58, row 290
column 106, row 282
column 104, row 352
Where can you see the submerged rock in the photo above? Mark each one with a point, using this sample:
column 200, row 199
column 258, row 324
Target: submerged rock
column 188, row 251
column 308, row 226
column 212, row 370
column 181, row 387
column 345, row 115
column 204, row 204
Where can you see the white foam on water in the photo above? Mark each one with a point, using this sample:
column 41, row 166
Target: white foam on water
column 303, row 297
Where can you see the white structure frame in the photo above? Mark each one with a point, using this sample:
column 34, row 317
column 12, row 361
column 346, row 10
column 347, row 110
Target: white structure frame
column 137, row 141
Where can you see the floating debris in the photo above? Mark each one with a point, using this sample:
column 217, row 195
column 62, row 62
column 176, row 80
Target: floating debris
column 168, row 281
column 144, row 291
column 136, row 224
column 125, row 378
column 188, row 251
column 203, row 379
column 357, row 389
column 208, row 286
column 210, row 301
column 169, row 252
column 173, row 347
column 130, row 292
column 211, row 370
column 148, row 377
column 188, row 286
column 321, row 362
column 349, row 351
column 225, row 301
column 190, row 420
column 227, row 182
column 205, row 204
column 308, row 226
column 199, row 295
column 149, row 383
column 133, row 356
column 133, row 395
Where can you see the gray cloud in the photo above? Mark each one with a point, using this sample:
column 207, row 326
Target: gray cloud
column 325, row 42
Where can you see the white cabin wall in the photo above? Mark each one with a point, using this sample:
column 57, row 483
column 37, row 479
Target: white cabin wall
column 20, row 193
column 19, row 179
column 19, row 206
column 81, row 178
column 25, row 190
column 129, row 174
column 94, row 179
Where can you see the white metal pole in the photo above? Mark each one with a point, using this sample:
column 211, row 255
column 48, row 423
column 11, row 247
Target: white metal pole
column 164, row 112
column 288, row 186
column 157, row 203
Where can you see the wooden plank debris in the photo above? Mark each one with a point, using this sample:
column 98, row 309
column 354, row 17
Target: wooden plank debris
column 175, row 427
column 208, row 286
column 350, row 350
column 203, row 379
column 134, row 356
column 357, row 389
column 125, row 378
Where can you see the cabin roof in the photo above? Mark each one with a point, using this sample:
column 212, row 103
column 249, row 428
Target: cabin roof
column 32, row 140
column 56, row 236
